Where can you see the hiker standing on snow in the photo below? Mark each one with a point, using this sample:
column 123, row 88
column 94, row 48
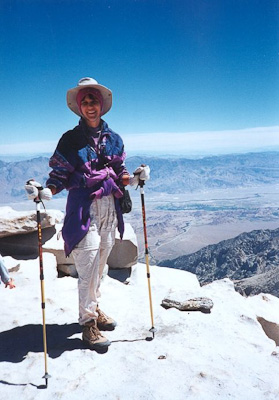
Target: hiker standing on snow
column 4, row 274
column 89, row 163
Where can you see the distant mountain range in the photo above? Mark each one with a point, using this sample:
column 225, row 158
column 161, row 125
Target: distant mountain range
column 13, row 176
column 168, row 175
column 251, row 260
column 228, row 171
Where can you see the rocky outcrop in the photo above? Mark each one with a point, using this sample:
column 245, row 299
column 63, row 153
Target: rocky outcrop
column 267, row 282
column 251, row 260
column 20, row 222
column 19, row 237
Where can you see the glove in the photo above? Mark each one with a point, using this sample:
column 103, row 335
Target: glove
column 34, row 189
column 45, row 194
column 141, row 173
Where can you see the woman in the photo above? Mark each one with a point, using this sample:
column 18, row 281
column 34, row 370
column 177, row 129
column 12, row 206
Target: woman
column 89, row 163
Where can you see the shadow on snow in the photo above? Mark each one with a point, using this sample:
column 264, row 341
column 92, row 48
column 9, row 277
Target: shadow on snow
column 16, row 343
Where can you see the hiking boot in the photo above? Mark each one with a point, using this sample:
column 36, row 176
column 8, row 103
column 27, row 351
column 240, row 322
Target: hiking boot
column 104, row 322
column 93, row 337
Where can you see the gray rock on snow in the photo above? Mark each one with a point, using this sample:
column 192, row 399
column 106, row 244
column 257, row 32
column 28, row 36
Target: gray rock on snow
column 203, row 304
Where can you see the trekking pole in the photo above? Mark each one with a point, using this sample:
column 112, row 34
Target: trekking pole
column 153, row 329
column 38, row 201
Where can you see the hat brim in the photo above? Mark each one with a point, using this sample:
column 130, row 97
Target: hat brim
column 105, row 92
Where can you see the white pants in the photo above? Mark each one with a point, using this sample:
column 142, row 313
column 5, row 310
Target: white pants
column 91, row 255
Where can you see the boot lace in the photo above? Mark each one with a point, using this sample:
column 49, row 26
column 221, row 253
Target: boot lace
column 102, row 317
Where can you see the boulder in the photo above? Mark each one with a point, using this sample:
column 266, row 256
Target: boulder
column 24, row 245
column 19, row 239
column 270, row 328
column 67, row 269
column 21, row 222
column 19, row 235
column 124, row 253
column 55, row 245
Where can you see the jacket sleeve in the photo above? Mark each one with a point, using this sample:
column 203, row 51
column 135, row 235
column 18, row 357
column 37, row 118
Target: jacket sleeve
column 63, row 164
column 3, row 271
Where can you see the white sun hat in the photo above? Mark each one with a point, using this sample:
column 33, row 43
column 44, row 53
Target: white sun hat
column 89, row 82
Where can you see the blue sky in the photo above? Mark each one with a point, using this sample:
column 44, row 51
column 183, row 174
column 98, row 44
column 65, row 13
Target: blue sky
column 193, row 70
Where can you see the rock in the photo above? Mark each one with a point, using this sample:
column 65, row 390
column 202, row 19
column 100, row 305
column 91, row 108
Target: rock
column 67, row 269
column 120, row 274
column 124, row 253
column 55, row 245
column 23, row 222
column 276, row 352
column 19, row 238
column 24, row 245
column 202, row 304
column 18, row 231
column 271, row 329
column 267, row 282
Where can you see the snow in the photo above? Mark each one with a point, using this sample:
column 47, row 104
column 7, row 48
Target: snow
column 195, row 356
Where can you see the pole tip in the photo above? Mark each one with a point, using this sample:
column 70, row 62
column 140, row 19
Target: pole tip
column 153, row 330
column 46, row 377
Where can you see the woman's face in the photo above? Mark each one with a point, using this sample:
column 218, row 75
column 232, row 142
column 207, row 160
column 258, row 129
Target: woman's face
column 91, row 110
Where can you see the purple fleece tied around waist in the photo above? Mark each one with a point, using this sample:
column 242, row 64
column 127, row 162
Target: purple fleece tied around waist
column 108, row 187
column 77, row 219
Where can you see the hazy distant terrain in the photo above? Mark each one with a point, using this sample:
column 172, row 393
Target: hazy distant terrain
column 205, row 218
column 169, row 175
column 181, row 175
column 190, row 203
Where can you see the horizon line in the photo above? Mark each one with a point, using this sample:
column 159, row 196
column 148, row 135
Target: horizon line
column 199, row 142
